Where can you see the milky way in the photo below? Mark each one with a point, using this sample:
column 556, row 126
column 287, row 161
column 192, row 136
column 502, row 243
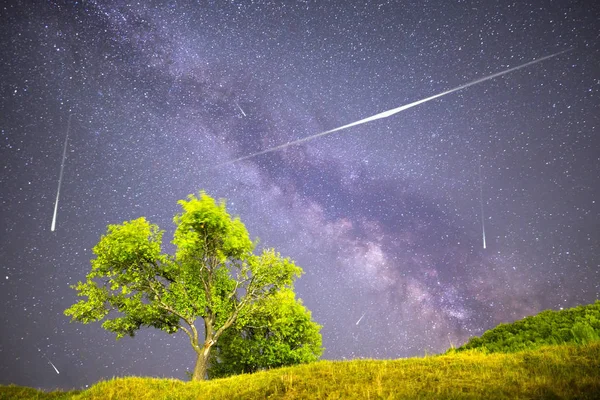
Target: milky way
column 386, row 220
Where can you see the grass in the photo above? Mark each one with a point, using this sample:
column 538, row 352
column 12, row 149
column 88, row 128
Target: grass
column 20, row 392
column 553, row 372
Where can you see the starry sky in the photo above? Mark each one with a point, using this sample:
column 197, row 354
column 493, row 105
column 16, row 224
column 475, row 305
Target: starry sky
column 384, row 218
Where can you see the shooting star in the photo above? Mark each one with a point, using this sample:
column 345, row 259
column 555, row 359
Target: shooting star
column 393, row 111
column 53, row 366
column 481, row 201
column 360, row 319
column 60, row 176
column 238, row 106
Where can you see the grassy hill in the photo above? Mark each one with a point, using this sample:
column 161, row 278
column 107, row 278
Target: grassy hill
column 551, row 372
column 579, row 325
column 553, row 355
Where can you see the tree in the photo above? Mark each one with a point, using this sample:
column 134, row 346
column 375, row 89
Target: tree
column 279, row 332
column 214, row 276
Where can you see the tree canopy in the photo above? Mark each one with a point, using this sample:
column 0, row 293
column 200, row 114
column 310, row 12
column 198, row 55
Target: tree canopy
column 278, row 332
column 214, row 276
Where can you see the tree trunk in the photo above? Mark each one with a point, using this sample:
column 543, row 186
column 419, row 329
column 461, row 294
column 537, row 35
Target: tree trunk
column 202, row 362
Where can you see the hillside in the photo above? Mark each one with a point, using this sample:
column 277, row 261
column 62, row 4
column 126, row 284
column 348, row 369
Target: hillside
column 565, row 371
column 578, row 325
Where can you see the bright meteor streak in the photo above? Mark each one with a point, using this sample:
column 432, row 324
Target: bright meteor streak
column 238, row 106
column 481, row 201
column 62, row 167
column 360, row 319
column 393, row 111
column 53, row 366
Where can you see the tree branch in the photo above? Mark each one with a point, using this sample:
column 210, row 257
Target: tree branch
column 204, row 282
column 164, row 306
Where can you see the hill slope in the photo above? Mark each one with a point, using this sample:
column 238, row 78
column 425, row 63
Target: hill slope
column 574, row 325
column 566, row 371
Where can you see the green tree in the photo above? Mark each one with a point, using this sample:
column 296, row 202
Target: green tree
column 278, row 332
column 214, row 276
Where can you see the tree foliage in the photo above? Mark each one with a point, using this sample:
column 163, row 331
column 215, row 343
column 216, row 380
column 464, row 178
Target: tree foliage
column 278, row 332
column 580, row 324
column 214, row 277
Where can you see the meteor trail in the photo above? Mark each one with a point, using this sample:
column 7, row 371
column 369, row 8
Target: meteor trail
column 360, row 319
column 62, row 167
column 236, row 103
column 393, row 111
column 53, row 366
column 481, row 200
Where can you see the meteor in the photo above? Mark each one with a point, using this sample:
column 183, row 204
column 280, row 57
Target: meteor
column 53, row 366
column 238, row 106
column 393, row 111
column 60, row 176
column 360, row 319
column 481, row 201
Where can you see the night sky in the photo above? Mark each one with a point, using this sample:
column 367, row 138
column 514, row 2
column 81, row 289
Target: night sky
column 384, row 218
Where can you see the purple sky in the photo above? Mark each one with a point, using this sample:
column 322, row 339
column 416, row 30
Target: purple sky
column 385, row 217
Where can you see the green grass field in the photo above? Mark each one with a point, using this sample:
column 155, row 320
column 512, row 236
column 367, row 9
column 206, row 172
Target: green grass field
column 553, row 372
